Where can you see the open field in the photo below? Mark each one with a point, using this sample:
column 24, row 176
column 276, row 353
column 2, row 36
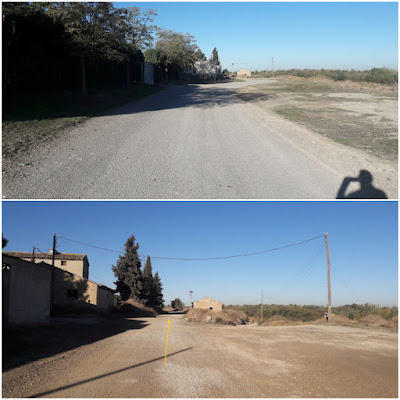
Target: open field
column 360, row 115
column 125, row 358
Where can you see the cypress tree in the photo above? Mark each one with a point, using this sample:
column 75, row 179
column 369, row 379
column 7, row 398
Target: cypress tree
column 148, row 284
column 159, row 299
column 128, row 273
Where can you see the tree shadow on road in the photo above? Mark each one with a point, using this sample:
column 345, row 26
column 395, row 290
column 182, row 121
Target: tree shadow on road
column 366, row 191
column 108, row 374
column 67, row 106
column 22, row 345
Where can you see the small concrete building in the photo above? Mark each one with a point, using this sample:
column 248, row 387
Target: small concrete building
column 25, row 291
column 208, row 304
column 77, row 264
column 243, row 73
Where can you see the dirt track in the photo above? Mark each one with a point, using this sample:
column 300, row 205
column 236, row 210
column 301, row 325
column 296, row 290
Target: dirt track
column 213, row 361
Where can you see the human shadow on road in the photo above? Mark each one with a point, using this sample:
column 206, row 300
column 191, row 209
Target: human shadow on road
column 108, row 374
column 22, row 345
column 366, row 191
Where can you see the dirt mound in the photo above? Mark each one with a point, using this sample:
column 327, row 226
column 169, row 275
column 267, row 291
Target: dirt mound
column 376, row 320
column 279, row 320
column 335, row 319
column 133, row 308
column 226, row 317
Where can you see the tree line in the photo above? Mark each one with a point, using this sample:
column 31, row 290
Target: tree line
column 64, row 45
column 135, row 283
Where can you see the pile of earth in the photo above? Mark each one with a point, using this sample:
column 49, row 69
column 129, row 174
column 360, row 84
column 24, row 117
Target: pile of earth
column 226, row 317
column 132, row 308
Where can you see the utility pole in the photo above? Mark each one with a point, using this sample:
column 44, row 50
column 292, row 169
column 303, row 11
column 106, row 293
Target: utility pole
column 262, row 304
column 190, row 293
column 273, row 72
column 329, row 276
column 33, row 255
column 52, row 283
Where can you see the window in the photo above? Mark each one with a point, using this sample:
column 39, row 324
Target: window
column 211, row 308
column 72, row 293
column 63, row 263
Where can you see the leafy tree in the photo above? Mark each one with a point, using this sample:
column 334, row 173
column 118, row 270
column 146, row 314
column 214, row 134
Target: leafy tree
column 97, row 29
column 139, row 32
column 4, row 241
column 176, row 49
column 200, row 55
column 152, row 56
column 177, row 304
column 128, row 273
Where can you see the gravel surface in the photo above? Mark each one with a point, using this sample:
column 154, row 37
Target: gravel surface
column 209, row 360
column 190, row 142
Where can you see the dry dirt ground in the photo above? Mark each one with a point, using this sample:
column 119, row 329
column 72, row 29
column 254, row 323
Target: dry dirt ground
column 209, row 360
column 357, row 114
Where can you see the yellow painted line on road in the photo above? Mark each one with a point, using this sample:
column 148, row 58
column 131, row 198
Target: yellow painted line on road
column 166, row 345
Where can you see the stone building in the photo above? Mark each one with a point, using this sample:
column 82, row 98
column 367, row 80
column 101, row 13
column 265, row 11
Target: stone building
column 243, row 73
column 206, row 69
column 208, row 304
column 77, row 264
column 26, row 289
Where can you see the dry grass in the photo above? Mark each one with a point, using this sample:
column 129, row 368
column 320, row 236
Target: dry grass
column 132, row 308
column 226, row 317
column 376, row 320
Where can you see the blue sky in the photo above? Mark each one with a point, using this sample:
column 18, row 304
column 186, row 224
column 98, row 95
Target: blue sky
column 343, row 35
column 362, row 236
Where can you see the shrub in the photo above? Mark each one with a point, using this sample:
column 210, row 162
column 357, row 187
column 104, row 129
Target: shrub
column 226, row 317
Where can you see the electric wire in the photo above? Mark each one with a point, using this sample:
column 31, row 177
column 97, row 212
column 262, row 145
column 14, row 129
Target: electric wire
column 201, row 258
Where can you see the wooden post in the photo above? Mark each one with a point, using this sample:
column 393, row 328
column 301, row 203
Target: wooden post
column 262, row 310
column 329, row 277
column 52, row 283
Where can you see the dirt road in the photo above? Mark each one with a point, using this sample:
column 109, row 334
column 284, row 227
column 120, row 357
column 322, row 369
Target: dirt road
column 192, row 142
column 214, row 361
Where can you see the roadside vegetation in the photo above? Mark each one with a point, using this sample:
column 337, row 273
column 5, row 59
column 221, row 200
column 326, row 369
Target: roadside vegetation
column 375, row 75
column 351, row 314
column 64, row 62
column 357, row 114
column 225, row 317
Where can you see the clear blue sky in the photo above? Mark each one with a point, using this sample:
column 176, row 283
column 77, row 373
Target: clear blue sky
column 362, row 235
column 298, row 35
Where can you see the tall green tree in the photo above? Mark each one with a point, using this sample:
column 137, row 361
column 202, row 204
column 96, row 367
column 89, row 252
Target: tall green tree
column 97, row 29
column 148, row 283
column 158, row 295
column 177, row 304
column 176, row 49
column 4, row 241
column 128, row 272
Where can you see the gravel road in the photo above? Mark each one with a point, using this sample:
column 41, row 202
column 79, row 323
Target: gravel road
column 209, row 360
column 191, row 142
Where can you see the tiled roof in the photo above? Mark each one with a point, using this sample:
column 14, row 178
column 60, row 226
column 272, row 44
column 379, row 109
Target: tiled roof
column 45, row 256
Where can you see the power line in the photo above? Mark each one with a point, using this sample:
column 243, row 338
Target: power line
column 201, row 258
